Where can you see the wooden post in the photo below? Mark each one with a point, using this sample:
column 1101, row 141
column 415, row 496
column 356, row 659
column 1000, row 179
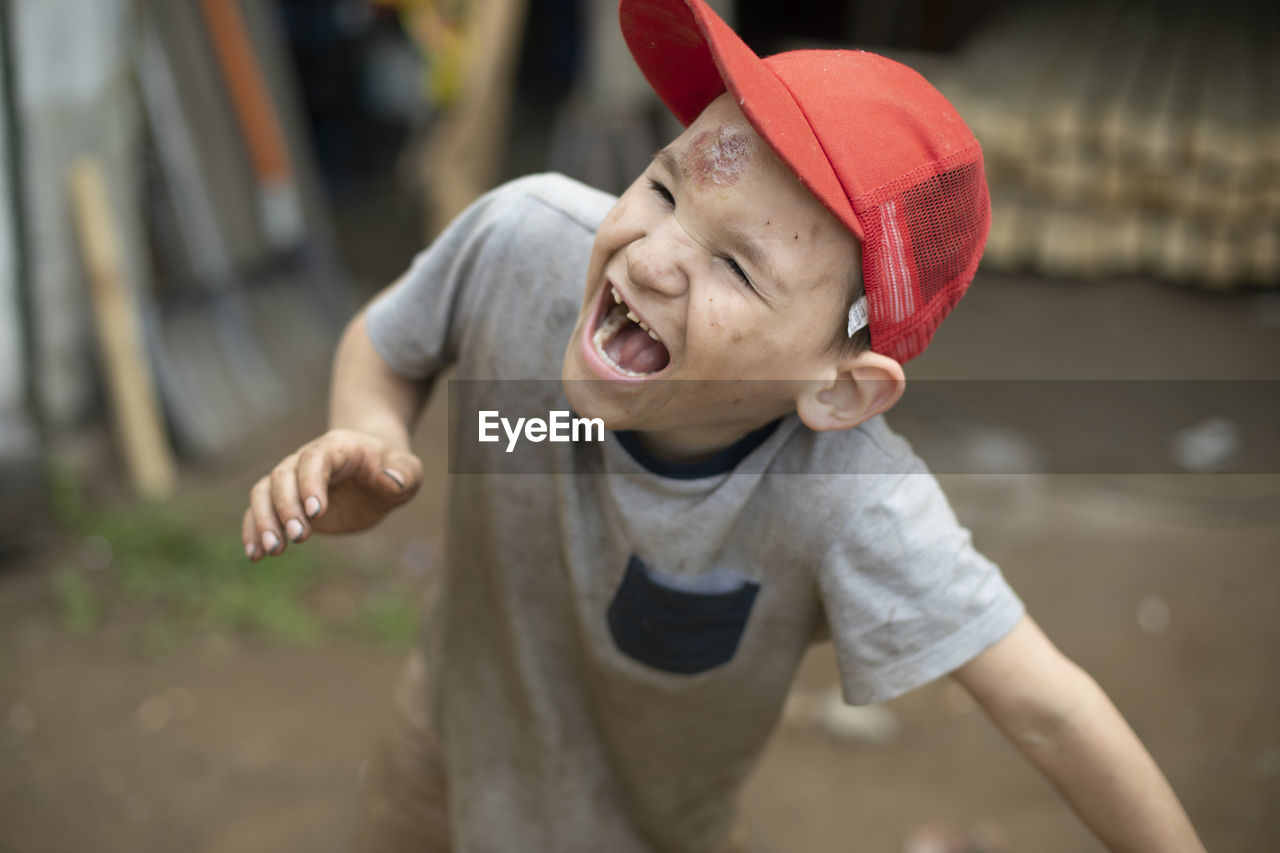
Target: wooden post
column 130, row 384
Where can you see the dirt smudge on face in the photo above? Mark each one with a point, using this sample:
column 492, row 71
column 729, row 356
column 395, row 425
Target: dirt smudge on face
column 718, row 158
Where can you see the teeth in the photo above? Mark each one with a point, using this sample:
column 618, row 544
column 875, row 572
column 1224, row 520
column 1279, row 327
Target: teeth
column 613, row 321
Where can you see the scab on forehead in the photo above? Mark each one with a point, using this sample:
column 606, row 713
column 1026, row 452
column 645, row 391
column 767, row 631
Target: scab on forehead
column 718, row 158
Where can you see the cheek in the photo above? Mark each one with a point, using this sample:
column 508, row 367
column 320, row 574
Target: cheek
column 615, row 231
column 726, row 327
column 615, row 217
column 714, row 317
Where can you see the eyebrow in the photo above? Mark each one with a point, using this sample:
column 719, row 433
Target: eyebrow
column 668, row 161
column 739, row 241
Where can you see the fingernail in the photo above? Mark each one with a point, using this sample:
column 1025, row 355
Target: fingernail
column 270, row 542
column 395, row 475
column 294, row 529
column 251, row 551
column 313, row 507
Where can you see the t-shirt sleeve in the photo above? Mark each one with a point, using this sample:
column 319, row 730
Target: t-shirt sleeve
column 906, row 595
column 418, row 324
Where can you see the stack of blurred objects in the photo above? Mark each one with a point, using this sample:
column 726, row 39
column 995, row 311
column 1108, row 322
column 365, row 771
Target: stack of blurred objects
column 1129, row 138
column 247, row 295
column 165, row 249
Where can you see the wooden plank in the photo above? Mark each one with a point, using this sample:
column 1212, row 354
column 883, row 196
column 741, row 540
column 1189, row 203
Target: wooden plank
column 131, row 386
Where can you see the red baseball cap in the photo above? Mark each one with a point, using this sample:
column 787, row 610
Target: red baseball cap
column 874, row 141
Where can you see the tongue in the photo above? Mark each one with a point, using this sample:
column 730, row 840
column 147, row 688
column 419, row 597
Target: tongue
column 632, row 348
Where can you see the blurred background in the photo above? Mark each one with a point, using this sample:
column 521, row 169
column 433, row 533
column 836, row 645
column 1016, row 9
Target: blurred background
column 196, row 194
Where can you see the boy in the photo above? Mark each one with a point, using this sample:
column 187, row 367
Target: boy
column 609, row 653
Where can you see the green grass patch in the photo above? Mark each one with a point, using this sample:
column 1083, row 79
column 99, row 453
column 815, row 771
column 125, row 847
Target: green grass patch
column 79, row 604
column 202, row 579
column 184, row 563
column 389, row 618
column 178, row 568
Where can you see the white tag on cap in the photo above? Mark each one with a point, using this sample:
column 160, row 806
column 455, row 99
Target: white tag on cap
column 857, row 315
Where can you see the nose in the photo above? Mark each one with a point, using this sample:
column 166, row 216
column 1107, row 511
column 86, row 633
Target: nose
column 660, row 260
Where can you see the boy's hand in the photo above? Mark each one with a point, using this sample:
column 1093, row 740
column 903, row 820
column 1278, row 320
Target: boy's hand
column 341, row 482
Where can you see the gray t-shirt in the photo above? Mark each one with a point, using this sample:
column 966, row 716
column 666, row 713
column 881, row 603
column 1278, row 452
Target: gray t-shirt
column 614, row 641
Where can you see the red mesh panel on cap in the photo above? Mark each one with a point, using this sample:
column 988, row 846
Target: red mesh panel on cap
column 924, row 236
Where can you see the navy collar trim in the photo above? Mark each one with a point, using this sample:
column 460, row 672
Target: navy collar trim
column 721, row 462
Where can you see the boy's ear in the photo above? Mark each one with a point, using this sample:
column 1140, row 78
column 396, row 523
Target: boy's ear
column 864, row 386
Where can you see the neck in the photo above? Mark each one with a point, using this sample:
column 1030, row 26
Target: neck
column 682, row 446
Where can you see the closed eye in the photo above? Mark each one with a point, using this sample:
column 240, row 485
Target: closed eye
column 738, row 271
column 663, row 193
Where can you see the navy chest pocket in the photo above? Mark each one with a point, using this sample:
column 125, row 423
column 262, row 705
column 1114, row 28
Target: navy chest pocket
column 677, row 630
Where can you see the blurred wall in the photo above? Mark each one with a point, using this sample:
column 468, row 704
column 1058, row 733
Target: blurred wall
column 15, row 419
column 73, row 99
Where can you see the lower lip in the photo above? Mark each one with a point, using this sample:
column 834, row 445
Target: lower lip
column 598, row 365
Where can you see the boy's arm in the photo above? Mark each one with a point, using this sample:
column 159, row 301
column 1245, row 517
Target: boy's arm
column 1061, row 719
column 354, row 474
column 366, row 395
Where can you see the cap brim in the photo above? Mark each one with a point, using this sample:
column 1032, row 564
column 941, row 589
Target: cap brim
column 690, row 56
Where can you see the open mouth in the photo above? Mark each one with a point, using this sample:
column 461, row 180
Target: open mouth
column 625, row 342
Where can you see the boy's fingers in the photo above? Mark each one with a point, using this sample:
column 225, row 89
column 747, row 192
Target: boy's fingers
column 270, row 533
column 404, row 470
column 287, row 501
column 314, row 469
column 249, row 537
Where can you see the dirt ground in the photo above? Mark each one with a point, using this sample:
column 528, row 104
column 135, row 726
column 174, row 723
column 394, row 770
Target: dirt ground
column 1165, row 588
